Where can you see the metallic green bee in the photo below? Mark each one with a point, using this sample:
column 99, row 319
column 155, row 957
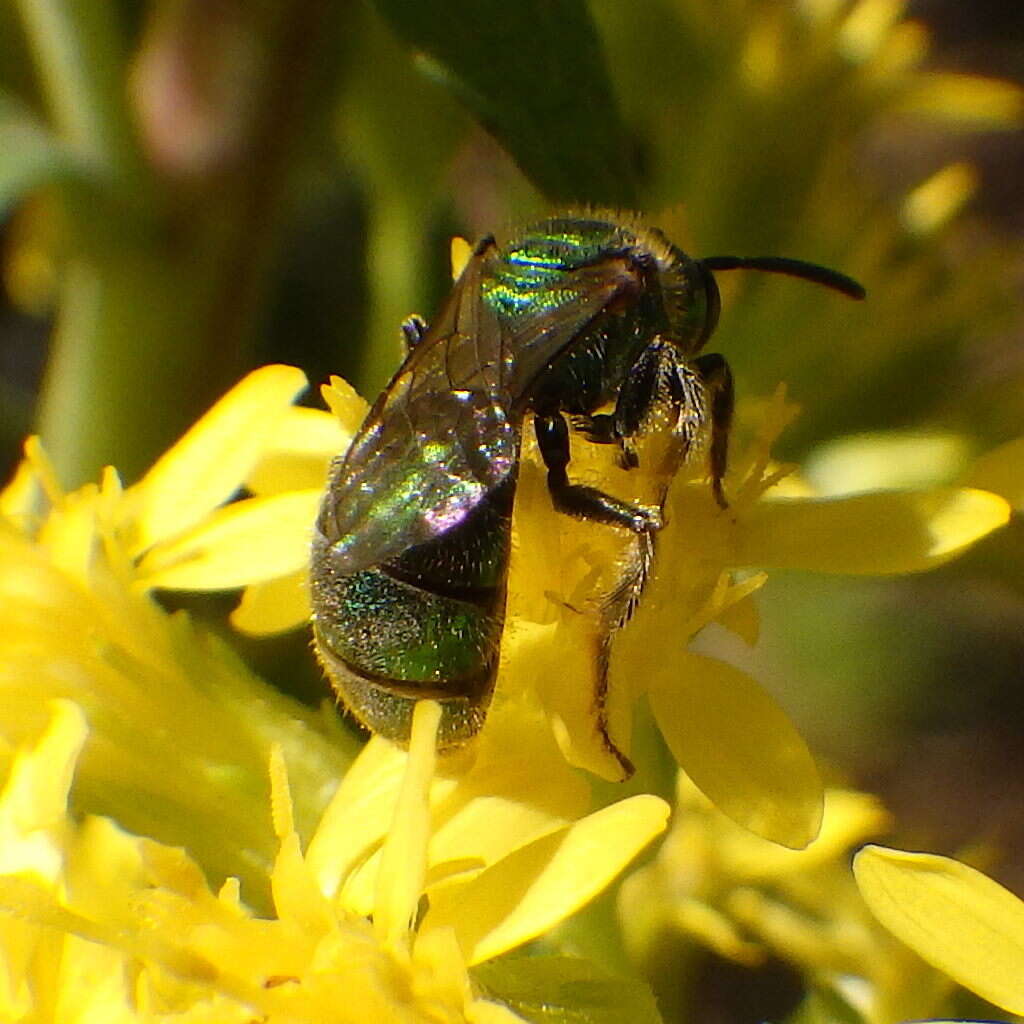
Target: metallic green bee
column 412, row 541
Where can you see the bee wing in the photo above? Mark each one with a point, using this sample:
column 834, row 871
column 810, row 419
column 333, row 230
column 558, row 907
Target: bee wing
column 579, row 297
column 436, row 442
column 444, row 433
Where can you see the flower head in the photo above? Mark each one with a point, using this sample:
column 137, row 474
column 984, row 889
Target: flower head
column 88, row 897
column 417, row 870
column 729, row 735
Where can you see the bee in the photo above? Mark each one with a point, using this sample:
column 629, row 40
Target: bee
column 411, row 545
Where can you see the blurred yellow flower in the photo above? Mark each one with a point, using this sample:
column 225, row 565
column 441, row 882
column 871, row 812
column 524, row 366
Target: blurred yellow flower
column 747, row 899
column 179, row 727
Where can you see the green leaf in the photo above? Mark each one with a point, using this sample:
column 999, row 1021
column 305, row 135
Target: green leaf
column 29, row 155
column 534, row 74
column 566, row 990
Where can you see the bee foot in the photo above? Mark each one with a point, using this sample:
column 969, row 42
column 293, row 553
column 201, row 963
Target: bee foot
column 647, row 520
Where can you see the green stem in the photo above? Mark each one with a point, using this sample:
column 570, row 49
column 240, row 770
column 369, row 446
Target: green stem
column 158, row 306
column 79, row 57
column 122, row 346
column 395, row 272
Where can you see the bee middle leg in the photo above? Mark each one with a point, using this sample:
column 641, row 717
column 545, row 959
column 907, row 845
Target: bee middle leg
column 578, row 499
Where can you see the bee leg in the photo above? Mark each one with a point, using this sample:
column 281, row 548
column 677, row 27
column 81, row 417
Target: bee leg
column 578, row 499
column 640, row 388
column 717, row 377
column 414, row 330
column 659, row 379
column 599, row 429
column 603, row 429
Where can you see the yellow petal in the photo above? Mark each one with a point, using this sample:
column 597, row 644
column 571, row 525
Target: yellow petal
column 743, row 619
column 867, row 26
column 881, row 533
column 738, row 747
column 849, row 819
column 968, row 99
column 35, row 795
column 34, row 799
column 297, row 899
column 503, row 802
column 298, row 455
column 345, row 403
column 403, row 865
column 70, row 536
column 1002, row 471
column 461, row 251
column 956, row 918
column 274, row 606
column 891, row 460
column 718, row 932
column 936, row 201
column 282, row 810
column 481, row 811
column 245, row 542
column 19, row 499
column 210, row 462
column 439, row 971
column 358, row 815
column 530, row 891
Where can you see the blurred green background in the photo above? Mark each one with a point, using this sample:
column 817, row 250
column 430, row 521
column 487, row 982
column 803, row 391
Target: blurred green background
column 189, row 188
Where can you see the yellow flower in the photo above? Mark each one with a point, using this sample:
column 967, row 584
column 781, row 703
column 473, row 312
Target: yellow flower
column 746, row 899
column 177, row 750
column 727, row 733
column 725, row 730
column 953, row 916
column 125, row 928
column 179, row 727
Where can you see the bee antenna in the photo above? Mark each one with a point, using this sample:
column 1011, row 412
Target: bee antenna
column 793, row 268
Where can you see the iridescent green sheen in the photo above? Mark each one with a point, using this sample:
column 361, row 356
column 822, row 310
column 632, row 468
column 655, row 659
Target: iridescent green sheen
column 412, row 542
column 534, row 275
column 394, row 630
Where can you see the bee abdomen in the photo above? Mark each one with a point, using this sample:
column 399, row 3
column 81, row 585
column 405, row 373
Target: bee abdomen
column 386, row 644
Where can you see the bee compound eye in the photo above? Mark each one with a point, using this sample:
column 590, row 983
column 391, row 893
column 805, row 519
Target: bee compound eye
column 712, row 304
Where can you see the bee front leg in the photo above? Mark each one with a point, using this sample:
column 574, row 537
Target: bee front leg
column 578, row 499
column 658, row 385
column 414, row 330
column 717, row 378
